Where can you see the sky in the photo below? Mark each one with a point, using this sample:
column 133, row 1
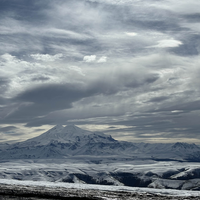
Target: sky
column 129, row 68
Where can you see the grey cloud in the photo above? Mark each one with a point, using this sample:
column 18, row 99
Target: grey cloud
column 3, row 81
column 124, row 80
column 7, row 129
column 101, row 18
column 27, row 27
column 42, row 121
column 159, row 99
column 41, row 78
column 2, row 101
column 190, row 46
column 192, row 17
column 121, row 18
column 34, row 104
column 49, row 98
column 143, row 80
column 4, row 85
column 51, row 92
column 177, row 127
column 185, row 107
column 112, row 127
column 39, row 129
column 24, row 10
column 152, row 19
column 11, row 44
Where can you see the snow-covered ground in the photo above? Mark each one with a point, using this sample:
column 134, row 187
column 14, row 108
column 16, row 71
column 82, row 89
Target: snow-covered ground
column 86, row 187
column 110, row 171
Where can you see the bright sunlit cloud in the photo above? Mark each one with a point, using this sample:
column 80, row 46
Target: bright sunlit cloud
column 130, row 33
column 167, row 43
column 91, row 58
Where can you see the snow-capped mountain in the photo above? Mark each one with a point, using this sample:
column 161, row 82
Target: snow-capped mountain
column 62, row 142
column 68, row 134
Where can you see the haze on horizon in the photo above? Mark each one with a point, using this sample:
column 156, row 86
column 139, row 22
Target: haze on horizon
column 129, row 68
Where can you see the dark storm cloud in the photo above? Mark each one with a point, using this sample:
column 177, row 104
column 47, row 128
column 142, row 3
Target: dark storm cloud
column 44, row 99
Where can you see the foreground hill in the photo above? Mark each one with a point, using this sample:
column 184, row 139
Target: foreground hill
column 107, row 171
column 43, row 190
column 62, row 142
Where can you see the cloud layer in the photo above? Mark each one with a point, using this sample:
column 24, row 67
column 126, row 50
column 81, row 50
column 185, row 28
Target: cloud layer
column 131, row 65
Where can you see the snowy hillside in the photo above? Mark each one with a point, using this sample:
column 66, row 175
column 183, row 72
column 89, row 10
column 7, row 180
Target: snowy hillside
column 61, row 142
column 92, row 170
column 47, row 190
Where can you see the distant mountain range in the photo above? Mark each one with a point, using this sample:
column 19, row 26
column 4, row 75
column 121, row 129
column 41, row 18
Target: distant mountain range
column 62, row 142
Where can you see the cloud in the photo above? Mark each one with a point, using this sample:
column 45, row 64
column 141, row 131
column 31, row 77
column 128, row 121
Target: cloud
column 131, row 34
column 159, row 99
column 167, row 43
column 91, row 58
column 77, row 69
column 44, row 99
column 7, row 129
column 182, row 7
column 40, row 79
column 103, row 59
column 4, row 84
column 46, row 57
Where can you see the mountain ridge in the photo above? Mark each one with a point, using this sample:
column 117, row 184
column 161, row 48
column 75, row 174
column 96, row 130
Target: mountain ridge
column 61, row 142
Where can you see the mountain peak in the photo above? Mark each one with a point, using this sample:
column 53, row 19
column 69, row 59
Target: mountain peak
column 71, row 131
column 184, row 145
column 58, row 126
column 68, row 134
column 71, row 126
